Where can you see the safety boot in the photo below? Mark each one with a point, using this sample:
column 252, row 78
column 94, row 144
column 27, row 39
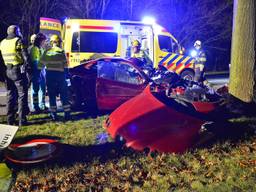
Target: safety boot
column 54, row 117
column 23, row 122
column 67, row 116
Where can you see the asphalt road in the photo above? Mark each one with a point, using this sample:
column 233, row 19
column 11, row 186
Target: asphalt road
column 215, row 79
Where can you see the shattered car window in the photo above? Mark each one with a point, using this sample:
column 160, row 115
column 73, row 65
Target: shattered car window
column 120, row 72
column 106, row 70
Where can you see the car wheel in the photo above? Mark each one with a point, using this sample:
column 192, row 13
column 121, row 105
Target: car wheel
column 188, row 75
column 119, row 140
column 74, row 98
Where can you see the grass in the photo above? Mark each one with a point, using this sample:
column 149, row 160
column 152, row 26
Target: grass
column 227, row 164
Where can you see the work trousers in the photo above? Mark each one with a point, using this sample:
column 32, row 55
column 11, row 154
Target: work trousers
column 56, row 84
column 17, row 94
column 38, row 89
column 199, row 75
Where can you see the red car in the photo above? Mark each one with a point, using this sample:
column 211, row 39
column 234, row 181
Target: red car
column 167, row 120
column 106, row 83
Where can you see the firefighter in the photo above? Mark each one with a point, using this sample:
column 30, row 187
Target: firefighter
column 17, row 65
column 200, row 59
column 55, row 62
column 38, row 79
column 140, row 54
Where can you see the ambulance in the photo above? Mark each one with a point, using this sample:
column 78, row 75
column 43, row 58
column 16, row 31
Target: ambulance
column 86, row 39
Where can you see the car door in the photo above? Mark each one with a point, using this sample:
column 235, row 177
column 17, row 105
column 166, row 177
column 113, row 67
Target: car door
column 169, row 56
column 117, row 81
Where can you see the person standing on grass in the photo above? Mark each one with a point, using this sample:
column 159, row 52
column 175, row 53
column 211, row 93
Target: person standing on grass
column 18, row 66
column 38, row 79
column 55, row 62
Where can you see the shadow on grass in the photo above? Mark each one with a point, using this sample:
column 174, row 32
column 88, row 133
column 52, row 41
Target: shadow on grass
column 70, row 154
column 220, row 132
column 44, row 117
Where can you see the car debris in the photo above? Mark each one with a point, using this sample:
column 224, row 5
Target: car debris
column 167, row 116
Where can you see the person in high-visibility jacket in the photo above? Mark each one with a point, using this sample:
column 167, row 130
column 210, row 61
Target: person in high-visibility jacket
column 54, row 59
column 38, row 79
column 140, row 54
column 17, row 65
column 200, row 59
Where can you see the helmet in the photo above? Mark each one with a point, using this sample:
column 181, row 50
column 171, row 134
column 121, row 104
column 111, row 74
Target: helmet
column 55, row 39
column 32, row 38
column 136, row 43
column 198, row 43
column 14, row 29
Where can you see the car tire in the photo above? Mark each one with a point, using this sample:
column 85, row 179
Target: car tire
column 74, row 98
column 188, row 75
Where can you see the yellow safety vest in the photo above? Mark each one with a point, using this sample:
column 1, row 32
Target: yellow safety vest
column 143, row 56
column 9, row 51
column 54, row 59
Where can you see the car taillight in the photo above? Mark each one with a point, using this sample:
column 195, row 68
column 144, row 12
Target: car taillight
column 67, row 55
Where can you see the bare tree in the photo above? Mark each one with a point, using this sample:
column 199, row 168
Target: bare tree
column 243, row 67
column 26, row 13
column 209, row 20
column 86, row 8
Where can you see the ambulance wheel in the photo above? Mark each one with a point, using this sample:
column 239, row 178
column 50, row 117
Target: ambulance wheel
column 188, row 75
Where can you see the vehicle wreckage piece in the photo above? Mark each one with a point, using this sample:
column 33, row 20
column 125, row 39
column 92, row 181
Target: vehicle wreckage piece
column 159, row 121
column 33, row 151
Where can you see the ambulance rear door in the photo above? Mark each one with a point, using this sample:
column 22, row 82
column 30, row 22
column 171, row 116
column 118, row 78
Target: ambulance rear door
column 49, row 26
column 131, row 31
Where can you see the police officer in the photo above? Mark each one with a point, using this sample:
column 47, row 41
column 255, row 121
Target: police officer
column 140, row 54
column 55, row 62
column 200, row 59
column 17, row 63
column 38, row 78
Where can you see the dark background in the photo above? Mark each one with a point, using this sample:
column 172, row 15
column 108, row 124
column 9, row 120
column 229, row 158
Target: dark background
column 188, row 20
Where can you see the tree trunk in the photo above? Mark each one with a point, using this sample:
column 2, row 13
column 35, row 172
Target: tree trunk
column 243, row 68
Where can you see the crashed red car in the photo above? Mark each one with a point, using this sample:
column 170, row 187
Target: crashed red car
column 165, row 119
column 106, row 83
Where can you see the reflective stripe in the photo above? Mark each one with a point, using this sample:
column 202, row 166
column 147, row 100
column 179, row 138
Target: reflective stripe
column 8, row 54
column 200, row 66
column 52, row 62
column 66, row 106
column 53, row 108
column 164, row 59
column 173, row 59
column 9, row 60
column 188, row 61
column 202, row 59
column 177, row 63
column 54, row 69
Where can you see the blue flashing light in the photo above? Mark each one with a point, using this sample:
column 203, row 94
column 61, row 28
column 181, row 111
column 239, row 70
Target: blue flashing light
column 193, row 53
column 116, row 28
column 65, row 19
column 149, row 20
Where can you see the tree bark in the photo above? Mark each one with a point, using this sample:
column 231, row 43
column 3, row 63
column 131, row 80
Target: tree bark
column 242, row 72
